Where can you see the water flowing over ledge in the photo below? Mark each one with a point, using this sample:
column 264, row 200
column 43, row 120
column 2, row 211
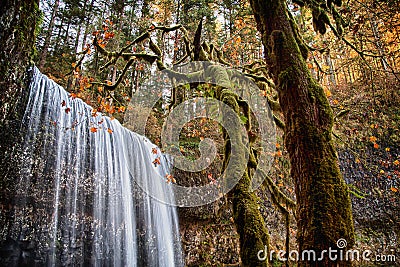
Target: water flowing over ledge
column 77, row 202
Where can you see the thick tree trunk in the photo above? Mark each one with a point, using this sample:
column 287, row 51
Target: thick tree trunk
column 17, row 37
column 323, row 203
column 250, row 225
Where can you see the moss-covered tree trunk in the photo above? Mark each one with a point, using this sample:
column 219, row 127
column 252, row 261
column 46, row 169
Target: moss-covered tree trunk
column 323, row 203
column 250, row 225
column 17, row 37
column 18, row 19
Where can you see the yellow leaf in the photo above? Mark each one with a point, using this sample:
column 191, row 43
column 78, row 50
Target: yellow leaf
column 396, row 162
column 387, row 149
column 372, row 139
column 327, row 92
column 394, row 189
column 357, row 160
column 73, row 65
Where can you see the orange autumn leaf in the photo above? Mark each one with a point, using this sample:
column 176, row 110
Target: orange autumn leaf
column 279, row 153
column 73, row 64
column 93, row 129
column 376, row 145
column 109, row 82
column 327, row 92
column 154, row 150
column 156, row 161
column 73, row 95
column 170, row 178
column 263, row 93
column 108, row 35
column 396, row 162
column 109, row 131
column 372, row 139
column 394, row 189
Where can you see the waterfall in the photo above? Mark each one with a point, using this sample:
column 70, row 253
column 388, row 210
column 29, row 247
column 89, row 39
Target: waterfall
column 77, row 202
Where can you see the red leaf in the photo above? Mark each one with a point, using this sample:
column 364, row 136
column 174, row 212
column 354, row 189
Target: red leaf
column 67, row 110
column 63, row 103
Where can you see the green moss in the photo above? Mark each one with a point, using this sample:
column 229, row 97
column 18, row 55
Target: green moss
column 249, row 222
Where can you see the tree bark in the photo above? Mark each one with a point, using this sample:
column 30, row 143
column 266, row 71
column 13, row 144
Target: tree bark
column 49, row 33
column 332, row 78
column 323, row 204
column 18, row 20
column 17, row 39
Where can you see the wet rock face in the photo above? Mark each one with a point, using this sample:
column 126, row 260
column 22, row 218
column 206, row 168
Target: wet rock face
column 208, row 235
column 17, row 253
column 374, row 176
column 376, row 209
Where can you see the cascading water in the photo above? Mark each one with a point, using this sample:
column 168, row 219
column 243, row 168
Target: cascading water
column 77, row 202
